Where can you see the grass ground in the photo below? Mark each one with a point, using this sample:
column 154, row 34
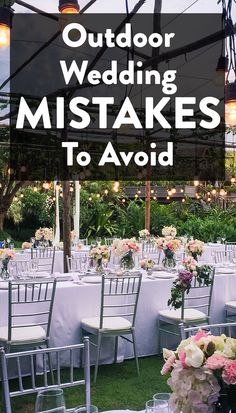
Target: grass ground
column 117, row 387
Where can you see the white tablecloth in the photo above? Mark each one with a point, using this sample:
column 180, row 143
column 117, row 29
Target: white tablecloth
column 74, row 302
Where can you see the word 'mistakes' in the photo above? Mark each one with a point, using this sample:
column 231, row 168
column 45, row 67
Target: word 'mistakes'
column 77, row 112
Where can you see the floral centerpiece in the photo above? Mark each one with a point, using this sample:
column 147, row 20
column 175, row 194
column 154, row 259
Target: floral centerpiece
column 26, row 245
column 147, row 264
column 169, row 231
column 5, row 256
column 126, row 248
column 169, row 246
column 73, row 236
column 202, row 374
column 44, row 237
column 99, row 254
column 194, row 248
column 144, row 234
column 190, row 264
column 183, row 282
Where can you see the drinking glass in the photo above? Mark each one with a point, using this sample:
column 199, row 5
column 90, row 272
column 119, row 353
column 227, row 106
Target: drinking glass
column 162, row 399
column 50, row 401
column 86, row 409
column 156, row 406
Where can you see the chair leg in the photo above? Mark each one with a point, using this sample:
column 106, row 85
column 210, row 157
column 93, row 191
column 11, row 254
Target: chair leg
column 97, row 357
column 135, row 352
column 158, row 336
column 116, row 349
column 50, row 364
column 81, row 351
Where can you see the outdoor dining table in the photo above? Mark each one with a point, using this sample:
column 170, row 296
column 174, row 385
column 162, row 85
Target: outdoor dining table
column 73, row 302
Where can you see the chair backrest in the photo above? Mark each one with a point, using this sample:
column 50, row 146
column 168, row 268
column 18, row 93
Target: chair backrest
column 17, row 267
column 119, row 297
column 45, row 257
column 60, row 380
column 230, row 246
column 220, row 329
column 83, row 241
column 220, row 256
column 109, row 241
column 78, row 263
column 199, row 296
column 149, row 248
column 30, row 304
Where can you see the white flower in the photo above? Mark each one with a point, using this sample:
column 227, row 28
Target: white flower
column 194, row 356
column 169, row 231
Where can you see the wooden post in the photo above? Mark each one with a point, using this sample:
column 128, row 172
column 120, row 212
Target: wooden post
column 148, row 205
column 66, row 222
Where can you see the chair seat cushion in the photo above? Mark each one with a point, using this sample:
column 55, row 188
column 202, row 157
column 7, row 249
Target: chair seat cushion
column 109, row 324
column 23, row 335
column 189, row 314
column 231, row 304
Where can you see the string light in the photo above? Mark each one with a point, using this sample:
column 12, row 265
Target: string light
column 90, row 198
column 136, row 196
column 182, row 190
column 168, row 197
column 196, row 182
column 46, row 185
column 173, row 190
column 154, row 198
column 6, row 15
column 233, row 180
column 71, row 187
column 68, row 6
column 57, row 186
column 35, row 189
column 152, row 191
column 123, row 200
column 183, row 200
column 98, row 195
column 214, row 191
column 106, row 192
column 22, row 195
column 116, row 186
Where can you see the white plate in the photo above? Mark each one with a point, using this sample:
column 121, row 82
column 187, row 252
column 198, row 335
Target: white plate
column 96, row 279
column 223, row 270
column 4, row 285
column 39, row 274
column 162, row 275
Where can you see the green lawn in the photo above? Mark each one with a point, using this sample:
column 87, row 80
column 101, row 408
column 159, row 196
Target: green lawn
column 117, row 387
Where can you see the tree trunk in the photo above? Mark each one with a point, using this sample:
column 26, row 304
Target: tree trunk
column 2, row 217
column 66, row 222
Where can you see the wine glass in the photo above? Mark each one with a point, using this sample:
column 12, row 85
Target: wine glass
column 50, row 401
column 86, row 409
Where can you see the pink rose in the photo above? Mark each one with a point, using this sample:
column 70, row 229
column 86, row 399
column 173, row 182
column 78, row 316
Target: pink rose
column 216, row 362
column 229, row 373
column 182, row 357
column 200, row 334
column 168, row 364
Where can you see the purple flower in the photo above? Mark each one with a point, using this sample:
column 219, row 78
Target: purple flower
column 185, row 276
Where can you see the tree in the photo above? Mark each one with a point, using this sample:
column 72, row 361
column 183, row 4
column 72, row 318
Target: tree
column 8, row 186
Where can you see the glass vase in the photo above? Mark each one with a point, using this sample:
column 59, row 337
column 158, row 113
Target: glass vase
column 99, row 267
column 5, row 274
column 169, row 262
column 127, row 261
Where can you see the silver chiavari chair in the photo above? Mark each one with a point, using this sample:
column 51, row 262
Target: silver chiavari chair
column 149, row 249
column 30, row 307
column 195, row 309
column 220, row 256
column 230, row 246
column 216, row 329
column 109, row 241
column 19, row 267
column 119, row 300
column 45, row 257
column 61, row 379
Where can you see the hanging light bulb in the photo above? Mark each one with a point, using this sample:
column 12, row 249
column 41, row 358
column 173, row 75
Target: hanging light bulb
column 196, row 182
column 35, row 189
column 221, row 70
column 71, row 187
column 173, row 190
column 230, row 104
column 57, row 186
column 154, row 198
column 90, row 198
column 123, row 200
column 106, row 192
column 213, row 191
column 222, row 192
column 183, row 200
column 233, row 180
column 68, row 6
column 168, row 197
column 116, row 186
column 6, row 15
column 182, row 190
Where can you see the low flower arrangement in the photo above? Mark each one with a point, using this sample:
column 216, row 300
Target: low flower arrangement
column 59, row 245
column 169, row 231
column 144, row 234
column 183, row 282
column 5, row 256
column 202, row 374
column 73, row 235
column 147, row 264
column 125, row 249
column 169, row 246
column 190, row 264
column 194, row 248
column 26, row 245
column 44, row 236
column 99, row 254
